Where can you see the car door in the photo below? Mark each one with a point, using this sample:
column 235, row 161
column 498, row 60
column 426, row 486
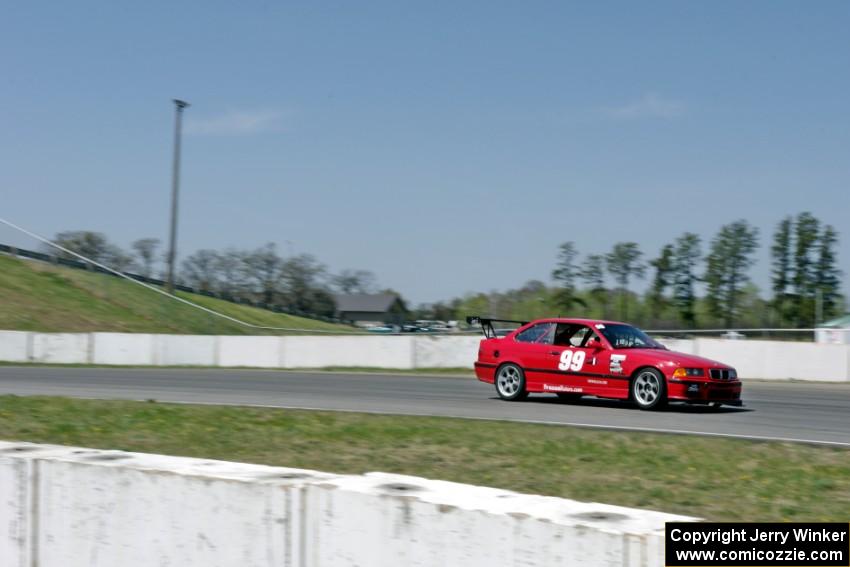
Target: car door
column 596, row 373
column 583, row 359
column 532, row 349
column 549, row 368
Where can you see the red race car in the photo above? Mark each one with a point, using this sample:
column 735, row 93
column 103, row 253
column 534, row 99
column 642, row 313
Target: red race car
column 587, row 357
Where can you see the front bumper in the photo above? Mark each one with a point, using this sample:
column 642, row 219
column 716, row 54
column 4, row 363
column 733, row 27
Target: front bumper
column 705, row 391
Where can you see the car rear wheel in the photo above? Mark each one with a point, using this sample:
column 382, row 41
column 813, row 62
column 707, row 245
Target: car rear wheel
column 510, row 382
column 649, row 389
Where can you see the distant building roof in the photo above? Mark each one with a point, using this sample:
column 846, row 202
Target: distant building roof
column 840, row 323
column 365, row 302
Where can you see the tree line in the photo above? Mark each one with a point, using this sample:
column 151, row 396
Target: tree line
column 297, row 283
column 805, row 282
column 805, row 279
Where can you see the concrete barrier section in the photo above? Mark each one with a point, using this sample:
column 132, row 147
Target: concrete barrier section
column 445, row 352
column 686, row 346
column 384, row 519
column 185, row 350
column 255, row 352
column 780, row 359
column 122, row 349
column 61, row 348
column 18, row 505
column 15, row 512
column 14, row 346
column 319, row 352
column 71, row 507
column 777, row 360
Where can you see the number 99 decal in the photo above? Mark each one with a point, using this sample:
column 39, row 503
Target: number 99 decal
column 571, row 360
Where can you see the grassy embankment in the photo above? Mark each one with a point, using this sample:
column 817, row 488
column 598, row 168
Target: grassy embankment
column 718, row 479
column 35, row 296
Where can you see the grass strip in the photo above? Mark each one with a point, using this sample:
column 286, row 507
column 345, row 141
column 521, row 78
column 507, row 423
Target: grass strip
column 41, row 297
column 718, row 479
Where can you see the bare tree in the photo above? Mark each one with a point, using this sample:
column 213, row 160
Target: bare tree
column 199, row 270
column 355, row 281
column 114, row 257
column 92, row 245
column 302, row 276
column 230, row 268
column 145, row 249
column 263, row 267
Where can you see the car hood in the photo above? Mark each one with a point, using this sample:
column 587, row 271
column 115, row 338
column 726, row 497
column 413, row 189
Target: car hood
column 681, row 359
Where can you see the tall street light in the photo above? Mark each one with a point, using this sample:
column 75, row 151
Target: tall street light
column 175, row 189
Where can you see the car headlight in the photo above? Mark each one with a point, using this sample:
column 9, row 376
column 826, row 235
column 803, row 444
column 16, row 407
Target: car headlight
column 685, row 372
column 733, row 373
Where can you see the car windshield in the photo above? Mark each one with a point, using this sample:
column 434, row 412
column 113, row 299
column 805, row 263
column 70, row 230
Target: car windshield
column 626, row 336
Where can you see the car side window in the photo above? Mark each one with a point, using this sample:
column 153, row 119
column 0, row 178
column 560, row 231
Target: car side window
column 571, row 335
column 541, row 333
column 580, row 337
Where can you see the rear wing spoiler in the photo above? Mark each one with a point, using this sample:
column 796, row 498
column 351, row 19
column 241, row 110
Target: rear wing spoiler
column 487, row 324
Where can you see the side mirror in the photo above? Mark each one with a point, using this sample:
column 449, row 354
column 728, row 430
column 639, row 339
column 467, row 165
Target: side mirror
column 594, row 344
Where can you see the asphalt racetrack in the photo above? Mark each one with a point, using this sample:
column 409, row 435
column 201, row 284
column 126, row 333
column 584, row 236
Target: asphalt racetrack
column 794, row 411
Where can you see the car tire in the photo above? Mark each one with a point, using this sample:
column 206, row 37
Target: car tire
column 510, row 382
column 569, row 397
column 649, row 389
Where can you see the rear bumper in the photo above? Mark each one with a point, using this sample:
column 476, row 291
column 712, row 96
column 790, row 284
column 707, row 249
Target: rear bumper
column 485, row 372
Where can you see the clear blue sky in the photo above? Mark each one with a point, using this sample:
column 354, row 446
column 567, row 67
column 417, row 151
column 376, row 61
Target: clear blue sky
column 446, row 146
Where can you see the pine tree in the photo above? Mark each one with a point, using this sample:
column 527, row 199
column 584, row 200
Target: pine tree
column 782, row 268
column 827, row 274
column 624, row 263
column 565, row 274
column 593, row 275
column 729, row 258
column 806, row 236
column 685, row 257
column 661, row 281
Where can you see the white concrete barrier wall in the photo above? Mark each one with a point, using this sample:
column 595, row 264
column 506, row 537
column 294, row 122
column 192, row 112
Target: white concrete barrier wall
column 687, row 346
column 257, row 352
column 185, row 350
column 70, row 507
column 14, row 346
column 445, row 352
column 382, row 519
column 323, row 351
column 69, row 348
column 122, row 349
column 778, row 360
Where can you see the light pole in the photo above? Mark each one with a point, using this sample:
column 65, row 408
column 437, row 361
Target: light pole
column 175, row 189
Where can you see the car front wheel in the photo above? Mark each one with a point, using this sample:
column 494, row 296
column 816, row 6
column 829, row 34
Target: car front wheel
column 510, row 382
column 649, row 389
